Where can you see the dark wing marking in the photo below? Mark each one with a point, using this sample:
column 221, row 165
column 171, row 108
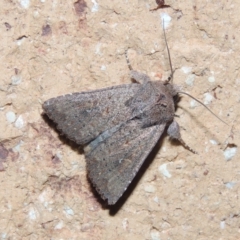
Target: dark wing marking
column 114, row 158
column 83, row 116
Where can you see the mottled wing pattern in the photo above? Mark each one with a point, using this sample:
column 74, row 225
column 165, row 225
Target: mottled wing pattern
column 114, row 158
column 83, row 116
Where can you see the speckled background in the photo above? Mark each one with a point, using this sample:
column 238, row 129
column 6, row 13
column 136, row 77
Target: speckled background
column 49, row 48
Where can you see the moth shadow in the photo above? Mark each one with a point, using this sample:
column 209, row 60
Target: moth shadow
column 113, row 209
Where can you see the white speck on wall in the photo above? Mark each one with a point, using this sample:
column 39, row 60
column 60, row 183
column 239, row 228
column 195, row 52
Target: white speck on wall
column 25, row 3
column 9, row 206
column 229, row 153
column 16, row 79
column 17, row 147
column 211, row 79
column 193, row 103
column 166, row 18
column 206, row 149
column 163, row 170
column 11, row 116
column 213, row 142
column 45, row 204
column 69, row 66
column 95, row 6
column 20, row 41
column 59, row 155
column 237, row 81
column 3, row 235
column 43, row 196
column 207, row 98
column 32, row 214
column 59, row 225
column 149, row 188
column 55, row 3
column 114, row 25
column 103, row 67
column 222, row 224
column 156, row 199
column 230, row 185
column 153, row 51
column 36, row 14
column 190, row 79
column 155, row 235
column 186, row 70
column 75, row 165
column 42, row 1
column 125, row 223
column 68, row 211
column 97, row 50
column 19, row 122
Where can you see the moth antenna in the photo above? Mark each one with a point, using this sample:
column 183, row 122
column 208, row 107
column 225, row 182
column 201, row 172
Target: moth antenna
column 170, row 78
column 128, row 62
column 204, row 106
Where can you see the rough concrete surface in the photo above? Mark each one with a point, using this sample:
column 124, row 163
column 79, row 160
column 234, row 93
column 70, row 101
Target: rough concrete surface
column 50, row 48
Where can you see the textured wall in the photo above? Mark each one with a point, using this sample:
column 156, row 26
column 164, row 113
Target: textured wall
column 49, row 48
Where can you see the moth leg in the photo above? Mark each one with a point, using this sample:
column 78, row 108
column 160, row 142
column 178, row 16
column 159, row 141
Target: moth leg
column 174, row 133
column 137, row 76
column 170, row 78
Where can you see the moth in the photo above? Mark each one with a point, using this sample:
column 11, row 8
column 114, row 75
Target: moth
column 118, row 127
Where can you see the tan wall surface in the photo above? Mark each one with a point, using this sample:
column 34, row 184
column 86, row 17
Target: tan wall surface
column 49, row 48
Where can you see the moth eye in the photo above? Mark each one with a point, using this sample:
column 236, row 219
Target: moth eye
column 160, row 97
